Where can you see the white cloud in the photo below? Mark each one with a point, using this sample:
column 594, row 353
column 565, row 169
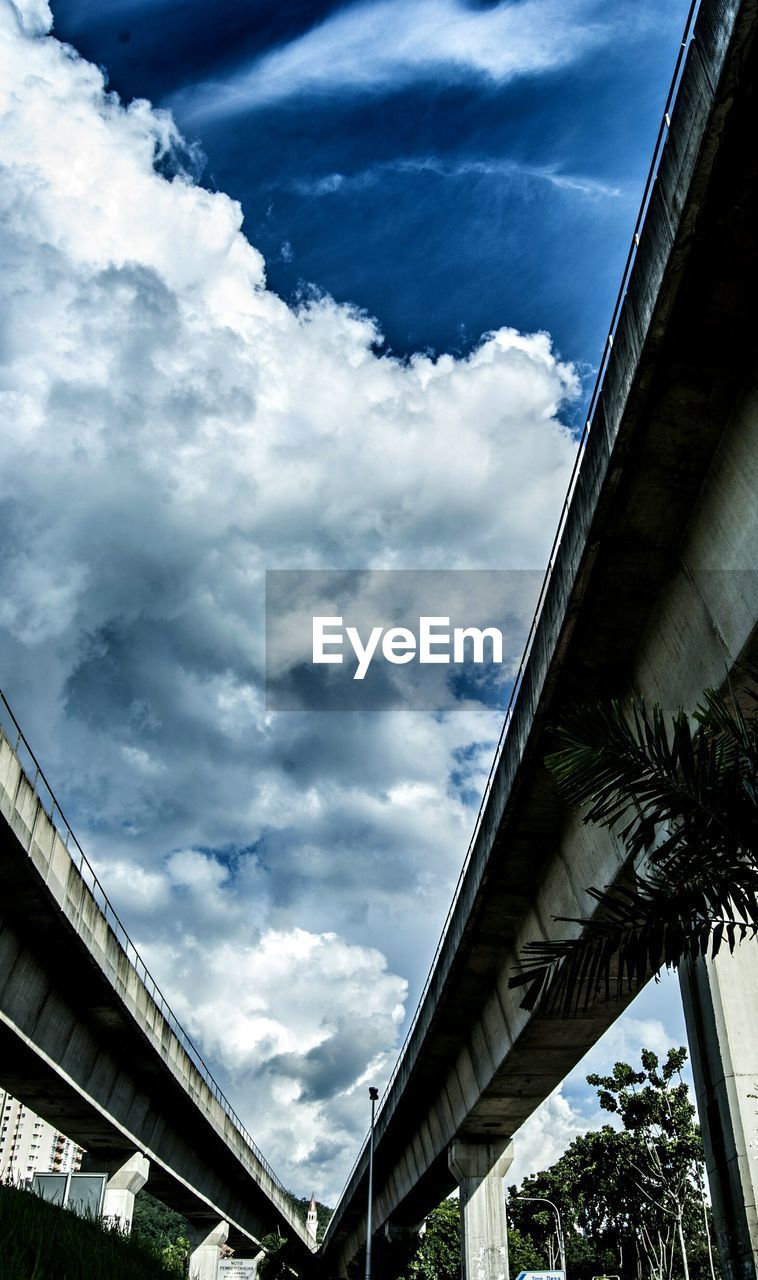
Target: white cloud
column 379, row 43
column 544, row 1137
column 304, row 1020
column 176, row 429
column 34, row 16
column 497, row 168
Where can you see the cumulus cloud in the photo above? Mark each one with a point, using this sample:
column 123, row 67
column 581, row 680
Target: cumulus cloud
column 292, row 1052
column 372, row 45
column 174, row 429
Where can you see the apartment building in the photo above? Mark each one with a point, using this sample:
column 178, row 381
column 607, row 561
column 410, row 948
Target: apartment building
column 30, row 1145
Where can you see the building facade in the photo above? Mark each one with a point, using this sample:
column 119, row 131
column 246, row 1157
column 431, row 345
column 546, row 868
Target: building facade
column 30, row 1145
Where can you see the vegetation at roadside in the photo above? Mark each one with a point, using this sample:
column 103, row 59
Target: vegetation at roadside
column 40, row 1241
column 438, row 1254
column 163, row 1229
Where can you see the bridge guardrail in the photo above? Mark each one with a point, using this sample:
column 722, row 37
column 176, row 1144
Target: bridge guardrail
column 35, row 776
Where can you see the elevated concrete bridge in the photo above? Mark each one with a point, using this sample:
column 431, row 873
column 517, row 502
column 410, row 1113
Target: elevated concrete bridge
column 88, row 1041
column 654, row 589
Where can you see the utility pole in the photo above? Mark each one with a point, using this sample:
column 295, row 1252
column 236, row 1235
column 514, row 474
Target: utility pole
column 373, row 1095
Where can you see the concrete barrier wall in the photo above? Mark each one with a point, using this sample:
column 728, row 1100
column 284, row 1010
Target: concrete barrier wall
column 56, row 866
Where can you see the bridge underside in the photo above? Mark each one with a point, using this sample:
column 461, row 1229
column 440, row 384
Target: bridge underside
column 74, row 1052
column 655, row 590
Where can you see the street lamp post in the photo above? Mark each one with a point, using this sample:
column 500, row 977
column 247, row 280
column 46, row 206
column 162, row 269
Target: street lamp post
column 559, row 1225
column 373, row 1095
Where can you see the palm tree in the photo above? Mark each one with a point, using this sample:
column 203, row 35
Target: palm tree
column 681, row 793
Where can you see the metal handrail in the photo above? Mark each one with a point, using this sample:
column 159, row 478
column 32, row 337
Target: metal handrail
column 42, row 789
column 581, row 447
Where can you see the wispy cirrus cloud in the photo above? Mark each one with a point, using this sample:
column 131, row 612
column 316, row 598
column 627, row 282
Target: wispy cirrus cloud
column 500, row 170
column 379, row 43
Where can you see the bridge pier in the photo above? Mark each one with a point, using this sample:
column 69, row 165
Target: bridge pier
column 479, row 1169
column 204, row 1259
column 721, row 1010
column 121, row 1188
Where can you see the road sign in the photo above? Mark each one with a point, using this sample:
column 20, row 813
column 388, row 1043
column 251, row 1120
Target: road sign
column 541, row 1275
column 238, row 1268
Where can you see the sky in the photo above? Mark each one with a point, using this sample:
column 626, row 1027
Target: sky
column 294, row 286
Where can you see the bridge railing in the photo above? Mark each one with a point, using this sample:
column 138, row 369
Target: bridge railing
column 34, row 774
column 660, row 142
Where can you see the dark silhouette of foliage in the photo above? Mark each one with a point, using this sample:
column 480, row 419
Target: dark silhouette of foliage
column 155, row 1223
column 681, row 793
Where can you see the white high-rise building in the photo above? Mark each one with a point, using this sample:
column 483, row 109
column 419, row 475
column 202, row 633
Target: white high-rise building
column 30, row 1145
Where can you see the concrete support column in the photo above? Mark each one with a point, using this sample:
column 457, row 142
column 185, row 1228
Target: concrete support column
column 121, row 1188
column 479, row 1169
column 721, row 1009
column 204, row 1260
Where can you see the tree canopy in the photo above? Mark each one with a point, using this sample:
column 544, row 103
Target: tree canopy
column 631, row 1198
column 630, row 1194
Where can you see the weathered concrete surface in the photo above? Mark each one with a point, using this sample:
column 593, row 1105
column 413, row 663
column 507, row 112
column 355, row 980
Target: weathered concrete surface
column 86, row 1046
column 121, row 1188
column 479, row 1169
column 654, row 590
column 721, row 1006
column 205, row 1258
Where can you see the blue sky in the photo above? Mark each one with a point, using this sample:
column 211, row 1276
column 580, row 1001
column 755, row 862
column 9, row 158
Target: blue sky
column 293, row 287
column 445, row 198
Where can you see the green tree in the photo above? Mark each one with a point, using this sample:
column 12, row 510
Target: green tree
column 631, row 1199
column 438, row 1256
column 682, row 794
column 176, row 1256
column 523, row 1254
column 274, row 1265
column 438, row 1253
column 164, row 1229
column 664, row 1148
column 154, row 1222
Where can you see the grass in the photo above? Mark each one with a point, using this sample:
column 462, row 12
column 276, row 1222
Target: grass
column 39, row 1241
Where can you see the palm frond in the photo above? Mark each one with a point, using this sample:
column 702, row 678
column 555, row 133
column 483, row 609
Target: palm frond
column 639, row 929
column 683, row 791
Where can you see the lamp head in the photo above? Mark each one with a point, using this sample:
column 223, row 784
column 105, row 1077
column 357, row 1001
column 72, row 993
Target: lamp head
column 373, row 1094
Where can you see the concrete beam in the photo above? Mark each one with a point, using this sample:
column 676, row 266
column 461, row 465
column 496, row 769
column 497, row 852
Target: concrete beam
column 91, row 1048
column 721, row 1007
column 479, row 1169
